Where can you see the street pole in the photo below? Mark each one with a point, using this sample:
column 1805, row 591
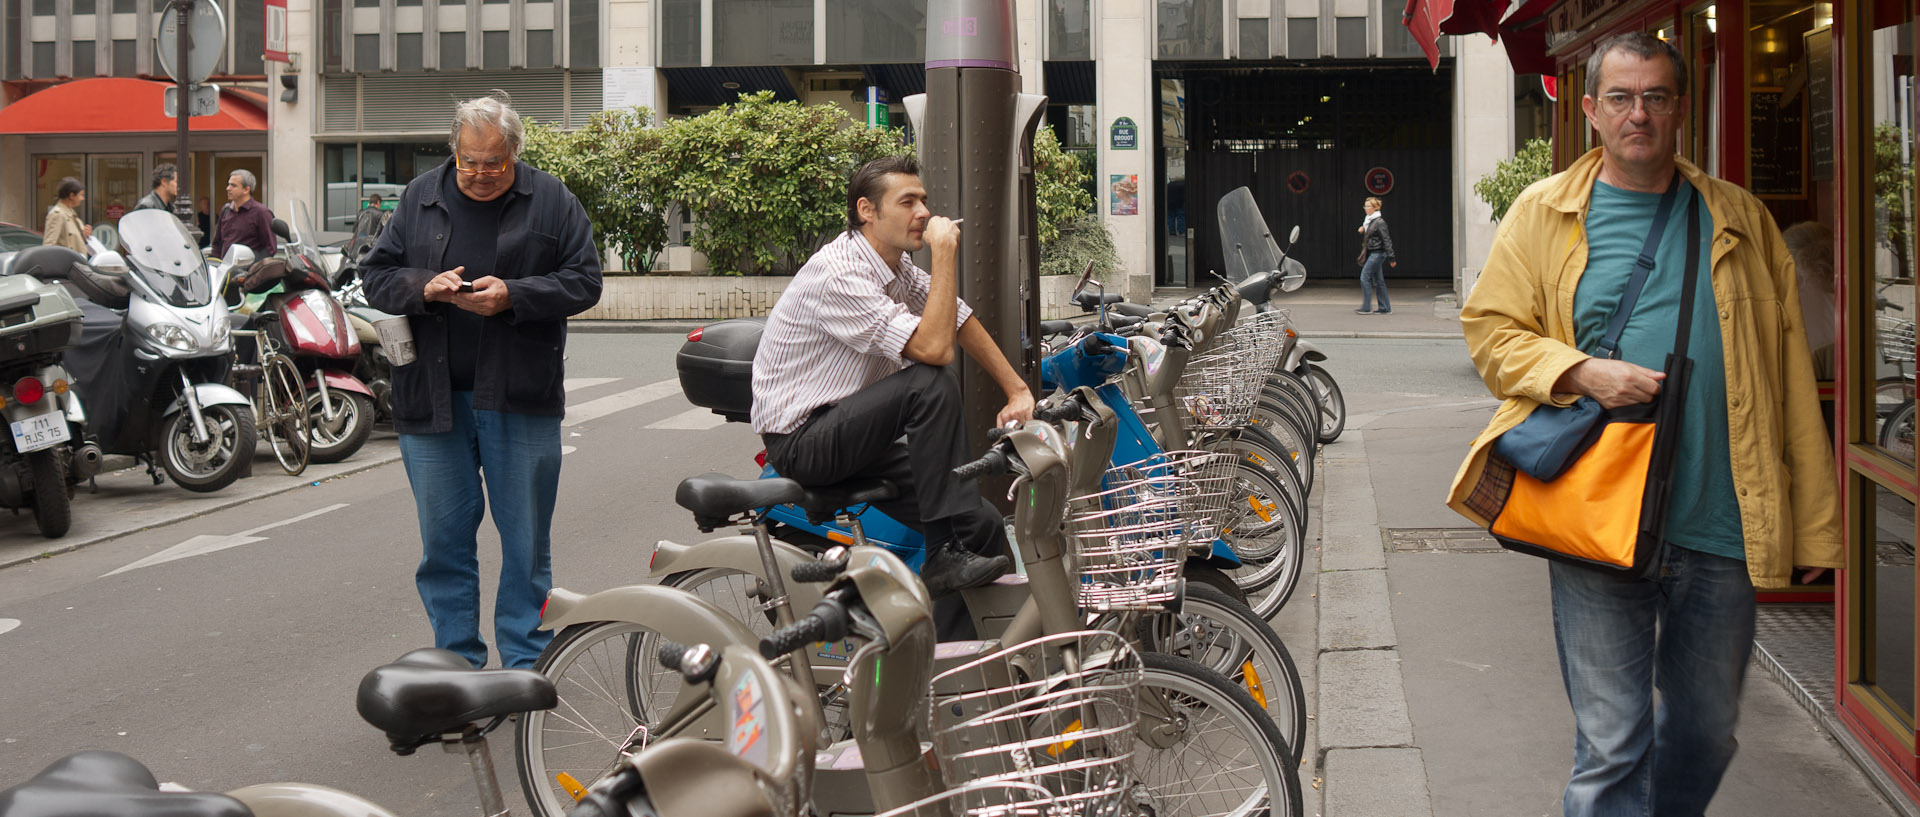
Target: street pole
column 183, row 109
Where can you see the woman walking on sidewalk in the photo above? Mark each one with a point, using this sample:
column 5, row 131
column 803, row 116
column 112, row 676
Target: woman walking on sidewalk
column 1376, row 254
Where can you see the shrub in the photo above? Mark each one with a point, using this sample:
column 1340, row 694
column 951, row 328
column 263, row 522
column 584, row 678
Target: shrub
column 1499, row 188
column 1083, row 239
column 600, row 164
column 1060, row 186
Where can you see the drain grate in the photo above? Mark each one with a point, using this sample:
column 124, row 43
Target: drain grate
column 1440, row 540
column 1795, row 643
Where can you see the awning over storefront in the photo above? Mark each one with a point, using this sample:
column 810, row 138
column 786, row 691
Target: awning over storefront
column 1505, row 20
column 123, row 105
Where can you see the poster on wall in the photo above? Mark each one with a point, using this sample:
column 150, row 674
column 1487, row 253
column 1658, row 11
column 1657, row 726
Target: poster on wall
column 627, row 87
column 1126, row 194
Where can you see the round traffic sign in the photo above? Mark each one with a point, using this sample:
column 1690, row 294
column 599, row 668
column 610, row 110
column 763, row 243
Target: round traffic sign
column 1379, row 181
column 206, row 38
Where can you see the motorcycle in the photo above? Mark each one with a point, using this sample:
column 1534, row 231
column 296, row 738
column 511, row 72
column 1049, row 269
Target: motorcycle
column 372, row 368
column 154, row 355
column 1249, row 249
column 313, row 329
column 50, row 453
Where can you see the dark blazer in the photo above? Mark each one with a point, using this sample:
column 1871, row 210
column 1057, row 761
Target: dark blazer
column 552, row 268
column 1377, row 239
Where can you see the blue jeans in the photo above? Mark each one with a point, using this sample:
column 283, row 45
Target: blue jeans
column 519, row 456
column 1685, row 631
column 1373, row 282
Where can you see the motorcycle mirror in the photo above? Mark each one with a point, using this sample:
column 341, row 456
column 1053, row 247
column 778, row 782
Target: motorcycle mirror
column 1085, row 277
column 280, row 229
column 108, row 261
column 239, row 256
column 1294, row 236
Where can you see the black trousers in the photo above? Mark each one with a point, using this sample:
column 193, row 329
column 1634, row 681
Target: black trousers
column 860, row 437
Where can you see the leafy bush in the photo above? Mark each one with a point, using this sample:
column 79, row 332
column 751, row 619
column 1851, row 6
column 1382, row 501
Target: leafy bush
column 1892, row 194
column 1060, row 186
column 1499, row 188
column 589, row 161
column 1083, row 239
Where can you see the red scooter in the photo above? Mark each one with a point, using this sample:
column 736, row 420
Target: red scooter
column 312, row 327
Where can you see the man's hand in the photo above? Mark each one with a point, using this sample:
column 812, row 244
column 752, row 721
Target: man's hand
column 489, row 297
column 1809, row 575
column 443, row 286
column 1019, row 409
column 942, row 234
column 1614, row 383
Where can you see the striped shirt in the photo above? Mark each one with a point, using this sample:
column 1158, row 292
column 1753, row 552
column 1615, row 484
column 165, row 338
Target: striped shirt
column 839, row 327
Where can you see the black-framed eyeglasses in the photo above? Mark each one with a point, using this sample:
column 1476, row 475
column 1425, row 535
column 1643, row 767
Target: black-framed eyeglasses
column 481, row 170
column 1658, row 103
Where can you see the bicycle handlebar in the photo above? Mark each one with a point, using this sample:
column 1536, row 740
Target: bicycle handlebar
column 993, row 463
column 828, row 622
column 696, row 663
column 1069, row 407
column 817, row 572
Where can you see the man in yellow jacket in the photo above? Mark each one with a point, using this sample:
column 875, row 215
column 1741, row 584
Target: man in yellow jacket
column 1754, row 486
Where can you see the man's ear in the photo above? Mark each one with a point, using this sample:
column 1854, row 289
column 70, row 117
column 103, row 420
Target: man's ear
column 868, row 212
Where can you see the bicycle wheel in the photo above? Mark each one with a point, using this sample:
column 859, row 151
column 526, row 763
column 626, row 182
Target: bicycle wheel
column 1256, row 445
column 1260, row 520
column 1298, row 394
column 1228, row 637
column 1333, row 404
column 1896, row 435
column 1205, row 747
column 606, row 699
column 1271, row 416
column 283, row 406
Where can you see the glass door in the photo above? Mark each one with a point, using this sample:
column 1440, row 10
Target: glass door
column 1175, row 234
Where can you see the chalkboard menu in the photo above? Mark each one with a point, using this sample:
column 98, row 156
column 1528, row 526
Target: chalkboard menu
column 1776, row 144
column 1820, row 102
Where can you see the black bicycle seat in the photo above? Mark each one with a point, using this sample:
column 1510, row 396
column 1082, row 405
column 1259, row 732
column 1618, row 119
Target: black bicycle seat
column 822, row 502
column 432, row 692
column 717, row 498
column 1055, row 327
column 99, row 783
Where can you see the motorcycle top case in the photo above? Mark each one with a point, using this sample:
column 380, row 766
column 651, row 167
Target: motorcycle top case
column 35, row 318
column 716, row 367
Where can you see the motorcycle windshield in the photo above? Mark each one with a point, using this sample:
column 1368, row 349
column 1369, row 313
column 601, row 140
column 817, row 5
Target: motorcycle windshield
column 1247, row 246
column 165, row 257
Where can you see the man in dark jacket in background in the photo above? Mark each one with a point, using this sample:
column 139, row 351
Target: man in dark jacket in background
column 166, row 185
column 487, row 257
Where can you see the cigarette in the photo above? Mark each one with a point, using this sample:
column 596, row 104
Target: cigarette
column 958, row 220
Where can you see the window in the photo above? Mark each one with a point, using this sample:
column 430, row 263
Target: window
column 540, row 49
column 411, row 51
column 42, row 60
column 10, row 35
column 51, row 169
column 83, row 58
column 123, row 58
column 1350, row 38
column 366, row 52
column 764, row 32
column 41, row 7
column 83, row 6
column 493, row 50
column 876, row 31
column 583, row 34
column 332, row 35
column 123, row 6
column 1253, row 40
column 1397, row 41
column 1303, row 38
column 1070, row 29
column 453, row 50
column 680, row 35
column 248, row 19
column 1190, row 29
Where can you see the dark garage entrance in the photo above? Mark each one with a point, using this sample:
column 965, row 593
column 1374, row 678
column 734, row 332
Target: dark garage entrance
column 1311, row 144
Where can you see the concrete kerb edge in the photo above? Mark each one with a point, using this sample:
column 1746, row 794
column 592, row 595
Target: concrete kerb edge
column 59, row 547
column 1883, row 784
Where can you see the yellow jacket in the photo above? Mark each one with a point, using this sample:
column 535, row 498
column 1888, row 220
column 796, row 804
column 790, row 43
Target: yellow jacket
column 63, row 229
column 1519, row 328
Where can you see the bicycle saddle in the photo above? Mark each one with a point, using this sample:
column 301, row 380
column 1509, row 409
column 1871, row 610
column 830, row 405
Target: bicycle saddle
column 823, row 502
column 717, row 498
column 99, row 783
column 431, row 692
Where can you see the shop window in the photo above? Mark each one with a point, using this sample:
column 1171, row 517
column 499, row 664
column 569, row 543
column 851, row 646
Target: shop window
column 1069, row 29
column 583, row 34
column 410, row 51
column 1350, row 38
column 540, row 49
column 453, row 50
column 493, row 50
column 680, row 34
column 83, row 58
column 114, row 184
column 779, row 32
column 1253, row 39
column 1889, row 585
column 1190, row 29
column 1889, row 250
column 876, row 30
column 50, row 170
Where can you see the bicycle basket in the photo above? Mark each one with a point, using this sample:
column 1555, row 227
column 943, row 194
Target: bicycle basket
column 1895, row 339
column 1058, row 712
column 1132, row 537
column 1219, row 387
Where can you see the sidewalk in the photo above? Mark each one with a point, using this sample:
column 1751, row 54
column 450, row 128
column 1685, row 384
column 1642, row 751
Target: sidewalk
column 1431, row 654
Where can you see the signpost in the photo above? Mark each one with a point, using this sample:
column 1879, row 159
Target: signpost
column 190, row 37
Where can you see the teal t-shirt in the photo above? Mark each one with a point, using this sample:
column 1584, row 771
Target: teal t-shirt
column 1703, row 513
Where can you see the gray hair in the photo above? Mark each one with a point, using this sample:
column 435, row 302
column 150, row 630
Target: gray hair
column 1642, row 45
column 492, row 111
column 246, row 179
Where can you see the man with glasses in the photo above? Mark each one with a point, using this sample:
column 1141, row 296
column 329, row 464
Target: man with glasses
column 1754, row 494
column 487, row 257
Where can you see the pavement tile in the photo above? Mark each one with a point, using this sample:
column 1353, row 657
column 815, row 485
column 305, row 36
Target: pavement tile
column 1349, row 520
column 1356, row 611
column 1377, row 783
column 1362, row 700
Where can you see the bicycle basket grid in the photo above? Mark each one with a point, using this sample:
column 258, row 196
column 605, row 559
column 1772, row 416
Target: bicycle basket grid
column 1059, row 712
column 1222, row 381
column 1132, row 537
column 1895, row 339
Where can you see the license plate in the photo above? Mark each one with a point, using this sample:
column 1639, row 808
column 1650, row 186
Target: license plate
column 41, row 431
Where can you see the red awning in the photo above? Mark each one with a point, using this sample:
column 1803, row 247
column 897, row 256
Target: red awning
column 1426, row 20
column 122, row 105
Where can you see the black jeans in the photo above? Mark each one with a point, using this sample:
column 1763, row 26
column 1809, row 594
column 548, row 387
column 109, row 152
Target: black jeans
column 860, row 437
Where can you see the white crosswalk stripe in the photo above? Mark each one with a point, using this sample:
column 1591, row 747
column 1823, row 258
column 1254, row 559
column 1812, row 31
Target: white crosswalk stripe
column 695, row 419
column 631, row 398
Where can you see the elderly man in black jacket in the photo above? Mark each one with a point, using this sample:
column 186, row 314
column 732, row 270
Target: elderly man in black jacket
column 487, row 257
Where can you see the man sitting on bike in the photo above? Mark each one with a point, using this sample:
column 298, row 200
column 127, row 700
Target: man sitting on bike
column 856, row 354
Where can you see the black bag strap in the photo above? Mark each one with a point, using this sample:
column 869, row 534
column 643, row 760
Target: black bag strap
column 1642, row 267
column 1690, row 282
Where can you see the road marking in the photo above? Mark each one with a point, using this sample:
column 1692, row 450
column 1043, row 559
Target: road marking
column 695, row 419
column 575, row 383
column 208, row 543
column 631, row 398
column 567, row 449
column 7, row 625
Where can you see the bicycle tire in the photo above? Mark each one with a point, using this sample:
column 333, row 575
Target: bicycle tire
column 1897, row 434
column 1256, row 444
column 1253, row 770
column 1333, row 403
column 1268, row 583
column 283, row 404
column 1299, row 396
column 1228, row 637
column 1271, row 417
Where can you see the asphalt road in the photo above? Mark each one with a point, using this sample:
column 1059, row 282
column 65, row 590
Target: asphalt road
column 238, row 665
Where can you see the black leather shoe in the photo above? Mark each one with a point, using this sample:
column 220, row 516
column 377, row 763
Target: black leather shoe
column 1363, row 312
column 950, row 569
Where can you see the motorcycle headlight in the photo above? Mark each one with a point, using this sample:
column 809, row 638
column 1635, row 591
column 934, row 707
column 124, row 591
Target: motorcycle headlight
column 222, row 328
column 172, row 336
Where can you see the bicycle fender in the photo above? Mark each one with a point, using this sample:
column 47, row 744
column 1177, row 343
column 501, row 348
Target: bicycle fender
column 681, row 617
column 209, row 394
column 1303, row 350
column 740, row 553
column 305, row 800
column 1222, row 556
column 341, row 381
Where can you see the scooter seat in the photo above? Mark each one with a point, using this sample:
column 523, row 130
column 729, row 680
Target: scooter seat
column 1055, row 327
column 99, row 783
column 432, row 692
column 1090, row 300
column 716, row 498
column 823, row 502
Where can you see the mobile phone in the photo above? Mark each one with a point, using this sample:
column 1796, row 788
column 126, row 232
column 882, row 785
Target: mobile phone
column 466, row 286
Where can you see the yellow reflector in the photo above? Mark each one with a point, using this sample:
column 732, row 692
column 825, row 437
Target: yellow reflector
column 1254, row 687
column 59, row 387
column 1262, row 509
column 836, row 536
column 1064, row 745
column 572, row 786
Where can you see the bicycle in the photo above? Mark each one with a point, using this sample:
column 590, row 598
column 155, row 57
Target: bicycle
column 279, row 398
